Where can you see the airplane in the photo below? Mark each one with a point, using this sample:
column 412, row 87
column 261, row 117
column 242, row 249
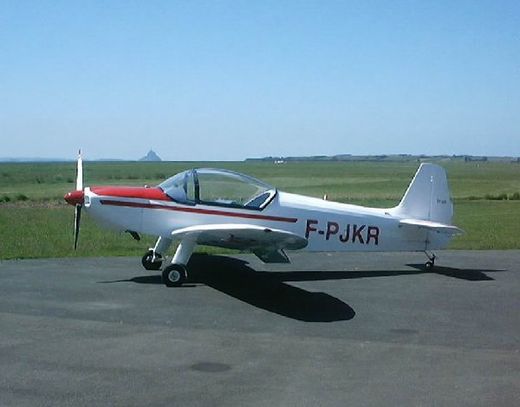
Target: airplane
column 222, row 208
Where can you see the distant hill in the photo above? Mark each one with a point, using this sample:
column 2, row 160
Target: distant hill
column 151, row 156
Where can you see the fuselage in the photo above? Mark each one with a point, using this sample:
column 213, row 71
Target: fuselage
column 328, row 226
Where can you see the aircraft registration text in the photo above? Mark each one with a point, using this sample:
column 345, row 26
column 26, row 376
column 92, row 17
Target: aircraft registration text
column 349, row 233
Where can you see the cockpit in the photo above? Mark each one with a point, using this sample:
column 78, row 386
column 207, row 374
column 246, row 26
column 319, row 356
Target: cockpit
column 208, row 186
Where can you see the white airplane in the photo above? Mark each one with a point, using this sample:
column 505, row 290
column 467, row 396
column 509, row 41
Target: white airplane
column 223, row 208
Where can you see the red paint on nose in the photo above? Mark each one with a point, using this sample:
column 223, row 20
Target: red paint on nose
column 75, row 198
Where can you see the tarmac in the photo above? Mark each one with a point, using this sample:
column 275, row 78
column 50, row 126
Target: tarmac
column 326, row 330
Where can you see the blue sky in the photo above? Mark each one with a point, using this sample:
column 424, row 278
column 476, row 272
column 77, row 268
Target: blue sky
column 226, row 80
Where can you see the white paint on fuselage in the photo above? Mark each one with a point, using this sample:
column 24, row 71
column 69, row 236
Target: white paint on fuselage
column 329, row 226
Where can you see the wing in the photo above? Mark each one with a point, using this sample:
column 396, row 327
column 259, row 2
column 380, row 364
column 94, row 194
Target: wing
column 431, row 226
column 268, row 244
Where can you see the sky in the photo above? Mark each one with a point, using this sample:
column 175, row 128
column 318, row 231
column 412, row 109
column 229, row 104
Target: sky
column 227, row 80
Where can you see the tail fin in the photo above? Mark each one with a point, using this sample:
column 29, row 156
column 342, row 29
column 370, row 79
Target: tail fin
column 428, row 196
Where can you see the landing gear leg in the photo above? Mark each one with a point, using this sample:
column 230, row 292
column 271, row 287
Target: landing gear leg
column 177, row 273
column 152, row 259
column 430, row 264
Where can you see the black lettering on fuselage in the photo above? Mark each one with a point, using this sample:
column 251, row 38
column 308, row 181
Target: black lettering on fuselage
column 310, row 228
column 349, row 233
column 332, row 229
column 356, row 233
column 346, row 236
column 373, row 233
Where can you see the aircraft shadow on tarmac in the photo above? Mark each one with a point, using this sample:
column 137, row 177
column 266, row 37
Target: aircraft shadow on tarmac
column 462, row 274
column 269, row 291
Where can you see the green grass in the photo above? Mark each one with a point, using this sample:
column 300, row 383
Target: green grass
column 35, row 222
column 47, row 232
column 488, row 225
column 340, row 180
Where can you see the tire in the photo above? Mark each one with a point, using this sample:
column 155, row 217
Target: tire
column 147, row 263
column 429, row 265
column 174, row 275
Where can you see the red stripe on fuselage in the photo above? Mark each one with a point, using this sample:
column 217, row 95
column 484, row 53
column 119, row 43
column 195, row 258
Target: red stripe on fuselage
column 197, row 210
column 156, row 194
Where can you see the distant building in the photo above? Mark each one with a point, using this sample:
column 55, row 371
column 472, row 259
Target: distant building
column 470, row 158
column 151, row 156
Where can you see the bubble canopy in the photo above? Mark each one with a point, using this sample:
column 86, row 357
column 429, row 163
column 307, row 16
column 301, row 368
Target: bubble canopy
column 210, row 186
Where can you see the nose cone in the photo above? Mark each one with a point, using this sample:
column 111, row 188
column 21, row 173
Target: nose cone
column 75, row 198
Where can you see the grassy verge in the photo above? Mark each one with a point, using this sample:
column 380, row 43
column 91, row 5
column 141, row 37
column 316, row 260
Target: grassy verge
column 34, row 222
column 488, row 225
column 47, row 232
column 44, row 232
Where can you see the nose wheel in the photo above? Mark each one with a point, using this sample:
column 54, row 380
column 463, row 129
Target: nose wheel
column 152, row 260
column 174, row 275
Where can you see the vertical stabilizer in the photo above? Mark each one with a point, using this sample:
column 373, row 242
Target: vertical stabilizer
column 428, row 196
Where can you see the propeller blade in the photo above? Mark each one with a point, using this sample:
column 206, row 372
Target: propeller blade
column 77, row 220
column 79, row 173
column 76, row 198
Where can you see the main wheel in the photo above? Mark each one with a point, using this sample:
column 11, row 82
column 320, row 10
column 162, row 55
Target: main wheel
column 174, row 275
column 429, row 265
column 149, row 264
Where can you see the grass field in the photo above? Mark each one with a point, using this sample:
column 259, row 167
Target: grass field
column 35, row 222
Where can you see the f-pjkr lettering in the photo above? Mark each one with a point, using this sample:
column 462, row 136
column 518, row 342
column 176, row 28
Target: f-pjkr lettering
column 346, row 233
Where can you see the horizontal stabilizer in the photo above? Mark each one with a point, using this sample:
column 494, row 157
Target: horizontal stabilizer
column 431, row 226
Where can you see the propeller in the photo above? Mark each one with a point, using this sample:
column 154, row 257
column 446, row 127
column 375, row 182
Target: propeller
column 79, row 187
column 76, row 198
column 77, row 220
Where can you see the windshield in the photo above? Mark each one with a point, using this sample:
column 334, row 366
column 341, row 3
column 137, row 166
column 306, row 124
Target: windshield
column 180, row 187
column 218, row 187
